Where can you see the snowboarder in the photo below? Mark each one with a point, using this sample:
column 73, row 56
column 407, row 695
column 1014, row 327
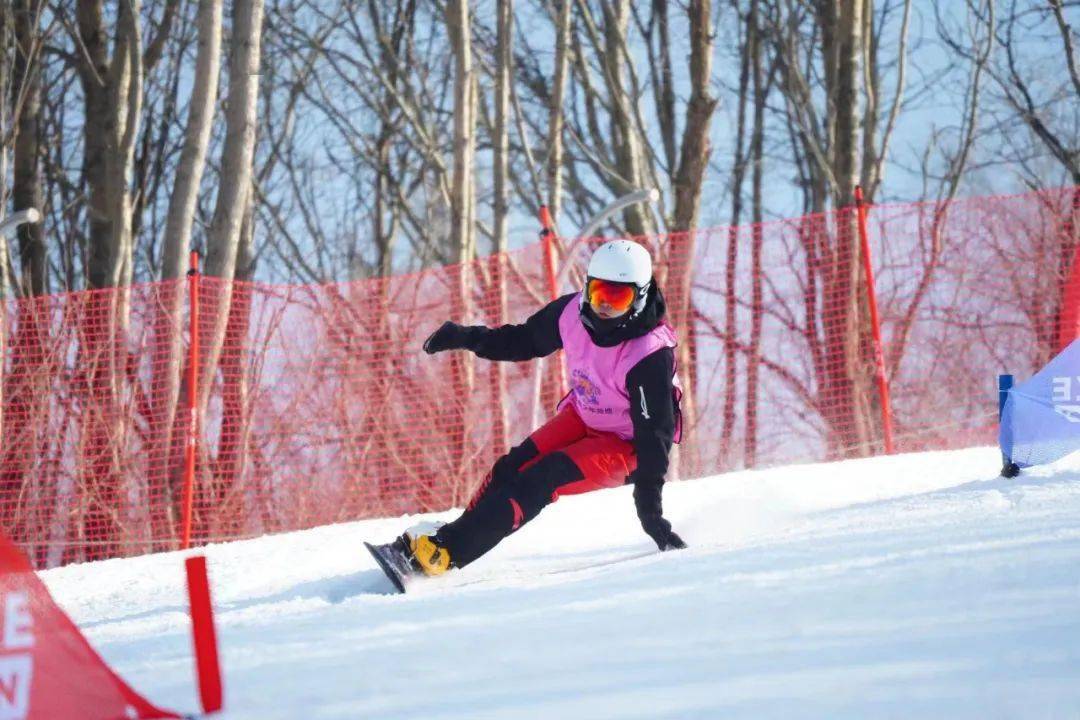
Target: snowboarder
column 615, row 426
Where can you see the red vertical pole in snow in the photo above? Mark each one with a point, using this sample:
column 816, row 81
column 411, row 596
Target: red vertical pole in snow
column 203, row 634
column 193, row 399
column 879, row 355
column 547, row 236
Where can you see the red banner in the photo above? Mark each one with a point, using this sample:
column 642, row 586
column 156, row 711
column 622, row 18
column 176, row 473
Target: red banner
column 47, row 668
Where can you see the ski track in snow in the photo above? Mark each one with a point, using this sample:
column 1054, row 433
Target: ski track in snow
column 916, row 585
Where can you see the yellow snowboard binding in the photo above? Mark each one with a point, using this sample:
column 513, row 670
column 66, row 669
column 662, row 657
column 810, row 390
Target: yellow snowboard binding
column 431, row 558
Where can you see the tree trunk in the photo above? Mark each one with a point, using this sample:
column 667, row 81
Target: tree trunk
column 189, row 170
column 693, row 161
column 113, row 104
column 461, row 228
column 227, row 499
column 392, row 47
column 26, row 190
column 731, row 282
column 555, row 111
column 626, row 141
column 223, row 235
column 847, row 380
column 6, row 36
column 849, row 150
column 28, row 396
column 461, row 232
column 100, row 121
column 168, row 330
column 664, row 90
column 694, row 156
column 757, row 310
column 504, row 69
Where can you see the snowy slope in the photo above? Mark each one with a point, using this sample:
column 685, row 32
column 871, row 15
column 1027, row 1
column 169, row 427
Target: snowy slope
column 908, row 586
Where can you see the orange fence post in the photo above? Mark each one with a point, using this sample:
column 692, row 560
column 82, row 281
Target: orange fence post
column 547, row 236
column 193, row 400
column 879, row 355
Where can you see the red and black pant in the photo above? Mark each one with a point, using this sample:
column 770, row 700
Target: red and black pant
column 563, row 457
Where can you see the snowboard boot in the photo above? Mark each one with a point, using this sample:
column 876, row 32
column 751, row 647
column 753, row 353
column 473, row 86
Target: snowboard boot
column 431, row 558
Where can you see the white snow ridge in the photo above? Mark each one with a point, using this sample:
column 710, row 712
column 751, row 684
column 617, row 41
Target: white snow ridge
column 912, row 586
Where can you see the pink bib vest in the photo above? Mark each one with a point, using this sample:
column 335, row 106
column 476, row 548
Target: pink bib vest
column 597, row 375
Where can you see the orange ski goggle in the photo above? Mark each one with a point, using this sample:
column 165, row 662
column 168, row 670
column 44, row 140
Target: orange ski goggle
column 616, row 295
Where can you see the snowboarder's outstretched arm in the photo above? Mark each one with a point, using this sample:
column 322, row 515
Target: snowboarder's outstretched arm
column 536, row 337
column 652, row 409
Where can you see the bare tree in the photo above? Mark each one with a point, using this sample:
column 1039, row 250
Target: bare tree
column 621, row 159
column 26, row 109
column 21, row 42
column 6, row 43
column 824, row 59
column 1019, row 81
column 687, row 183
column 738, row 174
column 224, row 233
column 113, row 92
column 391, row 50
column 64, row 207
column 977, row 46
column 761, row 89
column 1047, row 107
column 555, row 110
column 28, row 397
column 165, row 386
column 112, row 85
column 504, row 70
column 462, row 232
column 233, row 446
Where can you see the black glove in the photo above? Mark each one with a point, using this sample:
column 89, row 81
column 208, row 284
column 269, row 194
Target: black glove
column 660, row 531
column 674, row 542
column 650, row 513
column 449, row 336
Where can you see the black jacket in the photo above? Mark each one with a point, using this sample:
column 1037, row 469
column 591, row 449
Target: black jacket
column 653, row 406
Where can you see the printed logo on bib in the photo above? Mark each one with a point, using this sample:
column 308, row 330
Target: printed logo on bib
column 588, row 394
column 16, row 662
column 585, row 389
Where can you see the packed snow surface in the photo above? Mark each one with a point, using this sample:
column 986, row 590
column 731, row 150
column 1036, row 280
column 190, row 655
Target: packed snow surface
column 909, row 586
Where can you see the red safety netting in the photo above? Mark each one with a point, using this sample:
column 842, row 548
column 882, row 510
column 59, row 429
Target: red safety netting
column 321, row 407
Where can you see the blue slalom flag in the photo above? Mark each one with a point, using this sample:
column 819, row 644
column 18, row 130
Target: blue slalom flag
column 1040, row 422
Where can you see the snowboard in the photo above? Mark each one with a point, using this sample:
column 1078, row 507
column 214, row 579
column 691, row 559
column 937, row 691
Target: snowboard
column 394, row 557
column 394, row 564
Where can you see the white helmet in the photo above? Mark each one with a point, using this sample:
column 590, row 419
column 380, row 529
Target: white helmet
column 622, row 261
